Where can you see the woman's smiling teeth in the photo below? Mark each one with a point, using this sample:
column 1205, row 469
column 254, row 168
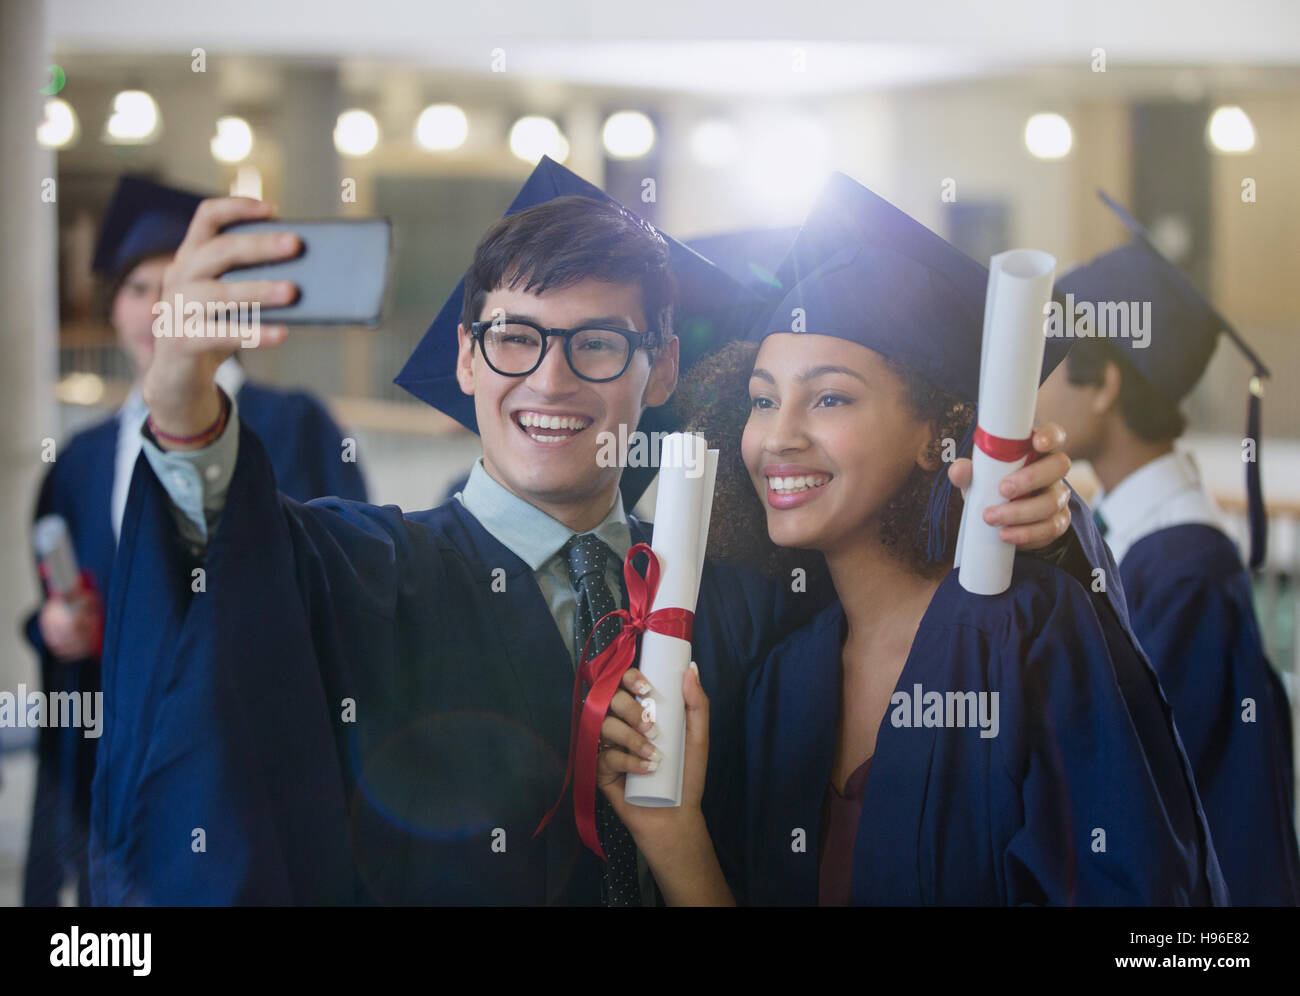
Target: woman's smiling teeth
column 793, row 485
column 561, row 427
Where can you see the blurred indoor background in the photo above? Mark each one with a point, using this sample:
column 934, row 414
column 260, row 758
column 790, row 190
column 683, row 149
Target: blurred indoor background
column 1018, row 111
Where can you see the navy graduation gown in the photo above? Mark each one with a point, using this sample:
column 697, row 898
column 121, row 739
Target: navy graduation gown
column 1190, row 602
column 305, row 447
column 361, row 707
column 1084, row 744
column 303, row 442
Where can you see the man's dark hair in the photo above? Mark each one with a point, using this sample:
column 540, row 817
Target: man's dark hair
column 565, row 241
column 1148, row 414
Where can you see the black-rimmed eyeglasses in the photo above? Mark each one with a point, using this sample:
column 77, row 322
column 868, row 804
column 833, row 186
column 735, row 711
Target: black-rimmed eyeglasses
column 516, row 348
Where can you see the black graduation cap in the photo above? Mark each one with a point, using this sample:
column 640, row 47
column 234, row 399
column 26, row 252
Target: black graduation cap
column 895, row 305
column 143, row 219
column 862, row 270
column 1185, row 329
column 710, row 310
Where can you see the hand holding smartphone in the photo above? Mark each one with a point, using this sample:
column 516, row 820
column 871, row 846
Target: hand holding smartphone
column 341, row 273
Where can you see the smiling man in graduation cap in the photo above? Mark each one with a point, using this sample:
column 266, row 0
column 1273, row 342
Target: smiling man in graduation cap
column 366, row 706
column 1189, row 594
column 87, row 487
column 925, row 745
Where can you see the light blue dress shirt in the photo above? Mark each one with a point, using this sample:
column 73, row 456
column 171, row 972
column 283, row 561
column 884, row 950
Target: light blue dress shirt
column 538, row 540
column 196, row 481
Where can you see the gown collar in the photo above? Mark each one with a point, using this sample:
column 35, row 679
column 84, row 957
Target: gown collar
column 1163, row 493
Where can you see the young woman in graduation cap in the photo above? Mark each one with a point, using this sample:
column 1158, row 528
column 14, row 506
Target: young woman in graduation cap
column 87, row 486
column 914, row 743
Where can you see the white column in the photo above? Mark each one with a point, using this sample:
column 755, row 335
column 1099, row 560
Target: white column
column 29, row 328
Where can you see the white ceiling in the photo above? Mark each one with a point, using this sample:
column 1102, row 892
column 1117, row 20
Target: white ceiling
column 731, row 47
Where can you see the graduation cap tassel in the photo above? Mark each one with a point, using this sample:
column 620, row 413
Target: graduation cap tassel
column 1254, row 494
column 935, row 523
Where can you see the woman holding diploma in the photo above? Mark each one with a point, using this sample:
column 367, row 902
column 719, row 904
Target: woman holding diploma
column 916, row 743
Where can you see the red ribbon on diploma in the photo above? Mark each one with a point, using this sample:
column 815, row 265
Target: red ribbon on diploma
column 603, row 674
column 1007, row 450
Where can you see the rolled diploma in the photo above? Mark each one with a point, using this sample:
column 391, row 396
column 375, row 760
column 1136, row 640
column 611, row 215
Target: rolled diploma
column 681, row 529
column 56, row 556
column 1011, row 358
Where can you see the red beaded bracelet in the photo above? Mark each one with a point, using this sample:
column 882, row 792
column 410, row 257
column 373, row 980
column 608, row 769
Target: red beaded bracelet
column 199, row 439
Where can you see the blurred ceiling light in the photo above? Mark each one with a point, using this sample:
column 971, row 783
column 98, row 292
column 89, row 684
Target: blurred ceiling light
column 134, row 121
column 628, row 135
column 356, row 133
column 247, row 183
column 1048, row 136
column 1230, row 130
column 80, row 389
column 441, row 126
column 715, row 143
column 60, row 127
column 534, row 136
column 233, row 141
column 788, row 165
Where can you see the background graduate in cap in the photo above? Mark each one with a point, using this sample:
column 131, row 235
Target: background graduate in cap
column 400, row 724
column 1188, row 592
column 916, row 743
column 87, row 486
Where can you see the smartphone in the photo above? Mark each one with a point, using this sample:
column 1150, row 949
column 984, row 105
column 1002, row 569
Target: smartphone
column 341, row 273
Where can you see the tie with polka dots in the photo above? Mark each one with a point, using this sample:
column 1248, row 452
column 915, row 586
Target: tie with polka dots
column 588, row 558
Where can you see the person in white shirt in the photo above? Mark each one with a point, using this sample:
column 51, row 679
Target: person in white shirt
column 1187, row 590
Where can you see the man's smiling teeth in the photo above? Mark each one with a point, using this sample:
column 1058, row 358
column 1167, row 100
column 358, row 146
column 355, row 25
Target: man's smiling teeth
column 527, row 419
column 793, row 485
column 571, row 424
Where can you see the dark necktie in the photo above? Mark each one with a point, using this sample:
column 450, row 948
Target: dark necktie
column 588, row 557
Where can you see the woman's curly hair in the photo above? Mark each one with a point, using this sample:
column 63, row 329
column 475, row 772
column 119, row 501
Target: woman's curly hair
column 713, row 399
